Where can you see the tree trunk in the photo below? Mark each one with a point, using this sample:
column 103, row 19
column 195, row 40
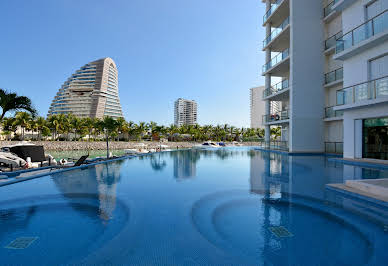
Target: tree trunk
column 107, row 145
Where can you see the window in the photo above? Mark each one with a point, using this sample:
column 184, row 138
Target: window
column 378, row 67
column 375, row 8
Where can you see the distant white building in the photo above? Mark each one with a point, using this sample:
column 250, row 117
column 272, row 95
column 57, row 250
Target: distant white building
column 257, row 106
column 185, row 112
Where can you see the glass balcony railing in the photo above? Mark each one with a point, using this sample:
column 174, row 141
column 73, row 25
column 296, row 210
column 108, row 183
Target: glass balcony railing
column 331, row 42
column 272, row 9
column 276, row 32
column 276, row 88
column 330, row 113
column 274, row 145
column 335, row 75
column 329, row 8
column 334, row 147
column 363, row 32
column 369, row 90
column 276, row 59
column 279, row 116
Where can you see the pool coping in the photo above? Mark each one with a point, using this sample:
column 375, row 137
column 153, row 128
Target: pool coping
column 299, row 153
column 60, row 170
column 381, row 166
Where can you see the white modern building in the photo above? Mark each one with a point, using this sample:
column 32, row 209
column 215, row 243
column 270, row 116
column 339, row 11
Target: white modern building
column 257, row 106
column 185, row 112
column 327, row 64
column 92, row 91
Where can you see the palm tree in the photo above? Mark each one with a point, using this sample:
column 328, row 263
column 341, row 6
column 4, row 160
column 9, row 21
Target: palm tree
column 77, row 125
column 23, row 120
column 41, row 125
column 8, row 126
column 67, row 124
column 12, row 102
column 141, row 128
column 110, row 126
column 276, row 132
column 121, row 126
column 55, row 123
column 33, row 127
column 89, row 125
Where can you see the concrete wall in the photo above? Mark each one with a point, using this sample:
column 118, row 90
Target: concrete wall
column 333, row 27
column 257, row 107
column 356, row 68
column 334, row 131
column 307, row 68
column 331, row 95
column 354, row 15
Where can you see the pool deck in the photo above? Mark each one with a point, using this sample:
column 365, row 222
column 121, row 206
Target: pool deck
column 371, row 189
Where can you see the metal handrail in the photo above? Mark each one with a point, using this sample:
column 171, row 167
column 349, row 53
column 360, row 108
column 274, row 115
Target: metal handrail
column 274, row 145
column 368, row 32
column 271, row 10
column 330, row 113
column 334, row 147
column 334, row 75
column 276, row 59
column 329, row 8
column 276, row 32
column 278, row 116
column 284, row 84
column 371, row 89
column 331, row 41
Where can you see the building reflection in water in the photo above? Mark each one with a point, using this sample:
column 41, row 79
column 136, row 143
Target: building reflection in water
column 269, row 174
column 185, row 164
column 157, row 162
column 100, row 180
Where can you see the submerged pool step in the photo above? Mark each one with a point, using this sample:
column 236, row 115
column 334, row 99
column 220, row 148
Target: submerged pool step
column 378, row 187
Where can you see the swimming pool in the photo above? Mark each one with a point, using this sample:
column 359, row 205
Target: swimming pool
column 230, row 206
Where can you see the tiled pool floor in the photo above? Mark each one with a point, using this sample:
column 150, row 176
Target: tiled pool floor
column 232, row 206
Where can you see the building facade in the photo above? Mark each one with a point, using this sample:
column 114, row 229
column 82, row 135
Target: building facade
column 257, row 106
column 327, row 64
column 185, row 112
column 92, row 91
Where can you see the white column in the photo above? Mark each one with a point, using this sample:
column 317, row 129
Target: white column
column 267, row 77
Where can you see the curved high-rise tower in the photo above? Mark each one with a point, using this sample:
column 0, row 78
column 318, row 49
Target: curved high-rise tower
column 92, row 91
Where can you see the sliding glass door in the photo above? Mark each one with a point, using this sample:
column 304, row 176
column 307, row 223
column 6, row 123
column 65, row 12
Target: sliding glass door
column 375, row 138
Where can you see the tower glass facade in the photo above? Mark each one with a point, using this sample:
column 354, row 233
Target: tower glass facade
column 92, row 91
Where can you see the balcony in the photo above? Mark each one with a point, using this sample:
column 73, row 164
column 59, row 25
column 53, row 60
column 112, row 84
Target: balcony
column 330, row 43
column 363, row 94
column 334, row 77
column 274, row 145
column 275, row 66
column 329, row 9
column 276, row 118
column 283, row 27
column 365, row 36
column 272, row 9
column 278, row 11
column 331, row 114
column 334, row 147
column 278, row 87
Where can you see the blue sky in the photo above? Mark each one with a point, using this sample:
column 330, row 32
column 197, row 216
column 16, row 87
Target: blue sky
column 206, row 50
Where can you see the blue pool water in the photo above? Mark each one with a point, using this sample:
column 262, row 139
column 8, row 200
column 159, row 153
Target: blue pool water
column 232, row 206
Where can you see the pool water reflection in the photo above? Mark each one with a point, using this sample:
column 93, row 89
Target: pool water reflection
column 195, row 207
